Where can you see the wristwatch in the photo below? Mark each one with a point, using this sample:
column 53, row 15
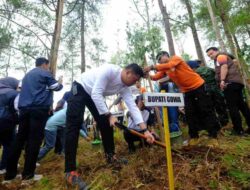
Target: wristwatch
column 144, row 130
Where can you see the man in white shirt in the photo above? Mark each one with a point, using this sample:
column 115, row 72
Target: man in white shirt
column 90, row 91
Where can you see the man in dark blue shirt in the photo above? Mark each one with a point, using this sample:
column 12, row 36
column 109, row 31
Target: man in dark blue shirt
column 34, row 104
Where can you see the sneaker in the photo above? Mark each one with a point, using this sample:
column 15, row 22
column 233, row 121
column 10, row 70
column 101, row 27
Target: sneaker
column 213, row 143
column 2, row 171
column 194, row 141
column 38, row 164
column 73, row 179
column 96, row 142
column 36, row 177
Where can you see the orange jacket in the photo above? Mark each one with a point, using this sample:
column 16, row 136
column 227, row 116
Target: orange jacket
column 180, row 73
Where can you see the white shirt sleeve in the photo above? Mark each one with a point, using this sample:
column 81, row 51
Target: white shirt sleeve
column 98, row 89
column 145, row 115
column 134, row 110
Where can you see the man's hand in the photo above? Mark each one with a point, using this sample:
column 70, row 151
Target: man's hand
column 149, row 137
column 112, row 121
column 223, row 85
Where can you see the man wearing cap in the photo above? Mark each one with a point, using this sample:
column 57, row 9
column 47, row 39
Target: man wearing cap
column 198, row 105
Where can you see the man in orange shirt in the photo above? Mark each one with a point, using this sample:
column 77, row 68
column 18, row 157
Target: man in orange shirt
column 198, row 104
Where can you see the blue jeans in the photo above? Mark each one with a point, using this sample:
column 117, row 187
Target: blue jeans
column 173, row 119
column 50, row 141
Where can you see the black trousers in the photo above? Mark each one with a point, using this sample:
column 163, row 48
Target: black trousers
column 7, row 136
column 74, row 119
column 130, row 139
column 30, row 134
column 200, row 113
column 219, row 104
column 60, row 140
column 236, row 104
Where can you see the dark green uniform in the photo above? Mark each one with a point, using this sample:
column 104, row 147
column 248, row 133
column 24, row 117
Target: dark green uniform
column 208, row 74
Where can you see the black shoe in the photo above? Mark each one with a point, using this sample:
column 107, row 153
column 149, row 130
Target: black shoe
column 248, row 131
column 9, row 176
column 111, row 159
column 238, row 133
column 131, row 148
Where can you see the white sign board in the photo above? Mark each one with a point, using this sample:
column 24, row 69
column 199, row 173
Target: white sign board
column 163, row 99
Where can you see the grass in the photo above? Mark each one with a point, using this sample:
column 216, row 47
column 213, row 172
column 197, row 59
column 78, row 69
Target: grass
column 226, row 168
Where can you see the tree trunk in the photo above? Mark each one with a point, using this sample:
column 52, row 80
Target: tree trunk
column 56, row 36
column 236, row 42
column 167, row 27
column 194, row 32
column 83, row 59
column 8, row 64
column 224, row 20
column 148, row 18
column 72, row 70
column 215, row 26
column 248, row 30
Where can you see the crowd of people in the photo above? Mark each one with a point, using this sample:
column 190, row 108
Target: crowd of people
column 209, row 95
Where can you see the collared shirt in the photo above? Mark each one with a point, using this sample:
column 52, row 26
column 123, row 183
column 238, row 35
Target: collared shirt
column 180, row 73
column 37, row 87
column 105, row 81
column 132, row 125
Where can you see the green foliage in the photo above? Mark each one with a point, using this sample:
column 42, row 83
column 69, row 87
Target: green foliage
column 5, row 38
column 120, row 58
column 98, row 49
column 246, row 53
column 16, row 3
column 143, row 42
column 186, row 56
column 203, row 20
